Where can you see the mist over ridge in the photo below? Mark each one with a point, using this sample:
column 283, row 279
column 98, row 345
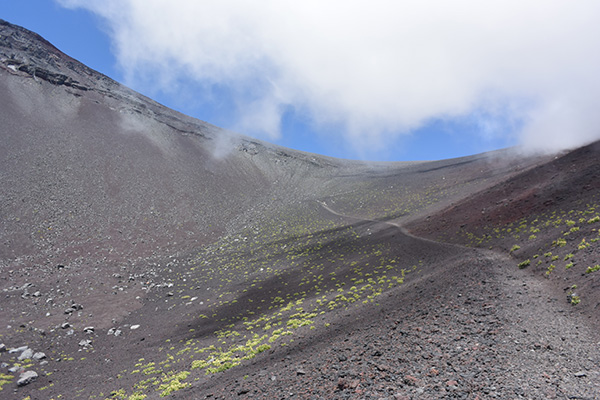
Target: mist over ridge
column 517, row 74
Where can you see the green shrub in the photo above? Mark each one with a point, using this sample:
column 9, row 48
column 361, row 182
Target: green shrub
column 595, row 268
column 524, row 264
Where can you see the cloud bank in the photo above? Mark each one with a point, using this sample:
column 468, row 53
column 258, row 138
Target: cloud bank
column 376, row 69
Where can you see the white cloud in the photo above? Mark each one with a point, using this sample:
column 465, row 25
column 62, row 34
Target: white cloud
column 377, row 69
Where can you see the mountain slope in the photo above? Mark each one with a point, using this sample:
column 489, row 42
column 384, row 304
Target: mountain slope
column 149, row 254
column 547, row 218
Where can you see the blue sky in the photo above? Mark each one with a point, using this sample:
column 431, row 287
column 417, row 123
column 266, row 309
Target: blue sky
column 376, row 81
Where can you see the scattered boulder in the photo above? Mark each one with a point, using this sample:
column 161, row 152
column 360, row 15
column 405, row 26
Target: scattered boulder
column 26, row 354
column 88, row 329
column 39, row 356
column 114, row 331
column 26, row 378
column 18, row 349
column 17, row 369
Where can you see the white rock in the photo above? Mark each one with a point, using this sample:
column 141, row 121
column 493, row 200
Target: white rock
column 18, row 349
column 26, row 355
column 134, row 327
column 26, row 378
column 16, row 369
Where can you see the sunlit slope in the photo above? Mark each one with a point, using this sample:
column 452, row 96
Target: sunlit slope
column 547, row 219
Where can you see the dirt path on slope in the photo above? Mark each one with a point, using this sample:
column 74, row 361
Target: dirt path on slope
column 388, row 223
column 542, row 348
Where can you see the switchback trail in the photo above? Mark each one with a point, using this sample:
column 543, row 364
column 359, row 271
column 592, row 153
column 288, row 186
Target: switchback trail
column 393, row 224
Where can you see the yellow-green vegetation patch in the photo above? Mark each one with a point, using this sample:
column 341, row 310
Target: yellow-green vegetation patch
column 573, row 231
column 524, row 264
column 595, row 268
column 312, row 265
column 219, row 360
column 137, row 396
column 569, row 265
column 5, row 379
column 172, row 382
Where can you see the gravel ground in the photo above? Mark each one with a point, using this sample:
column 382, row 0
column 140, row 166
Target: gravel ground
column 474, row 327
